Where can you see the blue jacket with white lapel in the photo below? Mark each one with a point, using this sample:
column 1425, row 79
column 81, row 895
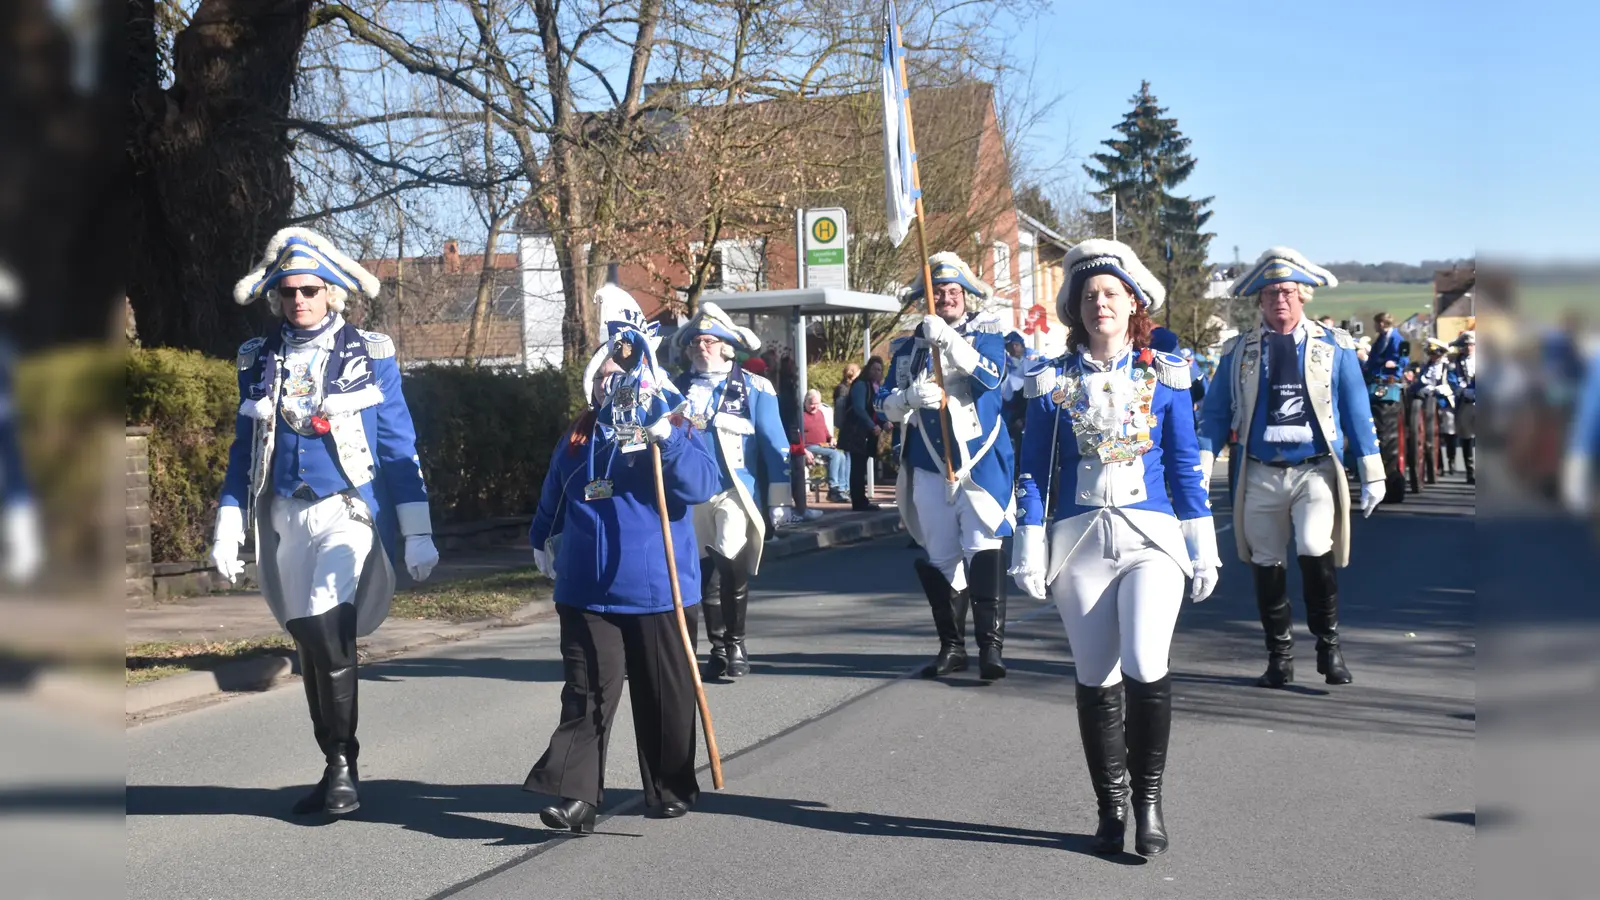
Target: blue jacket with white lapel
column 1340, row 409
column 756, row 443
column 982, row 451
column 373, row 439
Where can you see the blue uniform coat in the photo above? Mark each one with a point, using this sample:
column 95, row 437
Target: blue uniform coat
column 610, row 557
column 1340, row 412
column 372, row 438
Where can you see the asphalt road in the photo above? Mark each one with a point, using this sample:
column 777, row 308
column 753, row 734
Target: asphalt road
column 847, row 779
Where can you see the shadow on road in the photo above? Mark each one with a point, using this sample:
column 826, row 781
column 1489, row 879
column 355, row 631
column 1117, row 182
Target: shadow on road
column 447, row 811
column 817, row 816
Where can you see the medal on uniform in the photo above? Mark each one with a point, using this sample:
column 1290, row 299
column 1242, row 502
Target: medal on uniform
column 598, row 489
column 320, row 425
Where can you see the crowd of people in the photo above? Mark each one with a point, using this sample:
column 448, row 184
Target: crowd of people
column 1095, row 466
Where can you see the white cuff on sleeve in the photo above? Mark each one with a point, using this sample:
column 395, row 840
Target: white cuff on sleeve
column 1371, row 468
column 230, row 524
column 414, row 518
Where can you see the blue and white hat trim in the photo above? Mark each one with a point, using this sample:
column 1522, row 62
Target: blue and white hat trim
column 948, row 268
column 625, row 322
column 1098, row 256
column 1278, row 265
column 301, row 251
column 713, row 322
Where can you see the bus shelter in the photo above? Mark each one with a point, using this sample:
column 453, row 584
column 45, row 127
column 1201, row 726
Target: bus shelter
column 796, row 307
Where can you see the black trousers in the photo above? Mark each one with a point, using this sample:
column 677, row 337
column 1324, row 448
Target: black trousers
column 597, row 649
column 858, row 477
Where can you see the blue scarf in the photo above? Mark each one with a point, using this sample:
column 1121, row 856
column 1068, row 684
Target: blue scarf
column 1288, row 403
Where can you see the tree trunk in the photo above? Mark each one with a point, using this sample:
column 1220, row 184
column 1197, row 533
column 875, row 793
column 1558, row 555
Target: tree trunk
column 211, row 168
column 480, row 305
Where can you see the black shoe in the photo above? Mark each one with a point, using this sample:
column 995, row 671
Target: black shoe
column 339, row 797
column 1100, row 725
column 837, row 497
column 738, row 660
column 950, row 659
column 717, row 665
column 675, row 809
column 576, row 816
column 1330, row 664
column 1280, row 671
column 1149, row 727
column 866, row 507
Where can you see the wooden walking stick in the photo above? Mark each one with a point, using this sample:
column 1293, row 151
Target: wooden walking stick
column 683, row 623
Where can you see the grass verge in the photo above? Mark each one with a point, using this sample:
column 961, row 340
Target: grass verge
column 163, row 659
column 465, row 599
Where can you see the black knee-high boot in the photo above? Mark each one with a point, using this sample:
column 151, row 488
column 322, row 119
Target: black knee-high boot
column 1450, row 444
column 1467, row 445
column 1322, row 615
column 1105, row 749
column 986, row 584
column 1277, row 622
column 716, row 626
column 735, row 603
column 1149, row 730
column 949, row 608
column 309, row 678
column 330, row 639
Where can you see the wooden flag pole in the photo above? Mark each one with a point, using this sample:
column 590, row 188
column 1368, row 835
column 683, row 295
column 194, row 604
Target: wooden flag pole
column 927, row 273
column 683, row 624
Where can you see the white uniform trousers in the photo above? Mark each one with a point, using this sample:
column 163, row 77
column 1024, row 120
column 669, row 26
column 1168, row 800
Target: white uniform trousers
column 952, row 531
column 1119, row 596
column 1275, row 499
column 322, row 548
column 721, row 524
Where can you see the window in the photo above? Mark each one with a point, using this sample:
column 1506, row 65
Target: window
column 735, row 265
column 1002, row 264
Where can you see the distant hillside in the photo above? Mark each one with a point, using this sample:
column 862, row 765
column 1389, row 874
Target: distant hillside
column 1392, row 272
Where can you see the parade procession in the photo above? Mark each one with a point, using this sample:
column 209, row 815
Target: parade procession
column 933, row 502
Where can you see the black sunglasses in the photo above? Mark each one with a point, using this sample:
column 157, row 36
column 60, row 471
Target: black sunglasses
column 305, row 290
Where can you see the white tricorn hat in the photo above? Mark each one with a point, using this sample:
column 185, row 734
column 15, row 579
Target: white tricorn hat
column 711, row 320
column 301, row 251
column 1281, row 264
column 1098, row 256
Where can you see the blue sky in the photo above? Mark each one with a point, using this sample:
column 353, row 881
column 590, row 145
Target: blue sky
column 1361, row 130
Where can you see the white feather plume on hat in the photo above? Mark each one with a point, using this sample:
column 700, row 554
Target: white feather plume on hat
column 1097, row 255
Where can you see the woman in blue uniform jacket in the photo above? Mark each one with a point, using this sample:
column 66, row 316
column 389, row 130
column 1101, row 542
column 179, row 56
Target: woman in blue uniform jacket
column 597, row 533
column 1110, row 435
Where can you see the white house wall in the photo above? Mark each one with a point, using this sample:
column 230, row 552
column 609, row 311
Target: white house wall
column 543, row 303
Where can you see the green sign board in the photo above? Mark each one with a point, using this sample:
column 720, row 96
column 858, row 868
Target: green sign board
column 826, row 256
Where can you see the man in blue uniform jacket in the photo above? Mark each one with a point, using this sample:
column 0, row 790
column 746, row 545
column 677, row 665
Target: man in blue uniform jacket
column 959, row 522
column 735, row 413
column 1286, row 398
column 324, row 469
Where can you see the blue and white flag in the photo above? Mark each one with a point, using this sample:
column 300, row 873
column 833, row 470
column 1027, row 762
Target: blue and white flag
column 897, row 157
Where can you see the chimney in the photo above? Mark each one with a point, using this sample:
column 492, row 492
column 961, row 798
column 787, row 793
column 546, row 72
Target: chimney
column 452, row 257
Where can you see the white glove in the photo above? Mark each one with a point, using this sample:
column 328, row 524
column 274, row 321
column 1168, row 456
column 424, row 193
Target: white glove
column 924, row 395
column 1428, row 390
column 659, row 430
column 1575, row 483
column 1200, row 535
column 24, row 543
column 421, row 556
column 545, row 565
column 225, row 551
column 939, row 333
column 780, row 515
column 895, row 407
column 956, row 348
column 1030, row 560
column 1371, row 495
column 1208, row 464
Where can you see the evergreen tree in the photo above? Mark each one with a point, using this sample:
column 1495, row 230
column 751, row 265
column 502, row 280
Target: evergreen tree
column 1142, row 167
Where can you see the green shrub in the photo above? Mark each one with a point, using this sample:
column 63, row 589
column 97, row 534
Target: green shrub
column 485, row 437
column 190, row 402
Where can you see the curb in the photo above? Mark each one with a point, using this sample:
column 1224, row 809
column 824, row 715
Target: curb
column 263, row 672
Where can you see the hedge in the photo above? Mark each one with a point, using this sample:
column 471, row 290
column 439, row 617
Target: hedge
column 484, row 438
